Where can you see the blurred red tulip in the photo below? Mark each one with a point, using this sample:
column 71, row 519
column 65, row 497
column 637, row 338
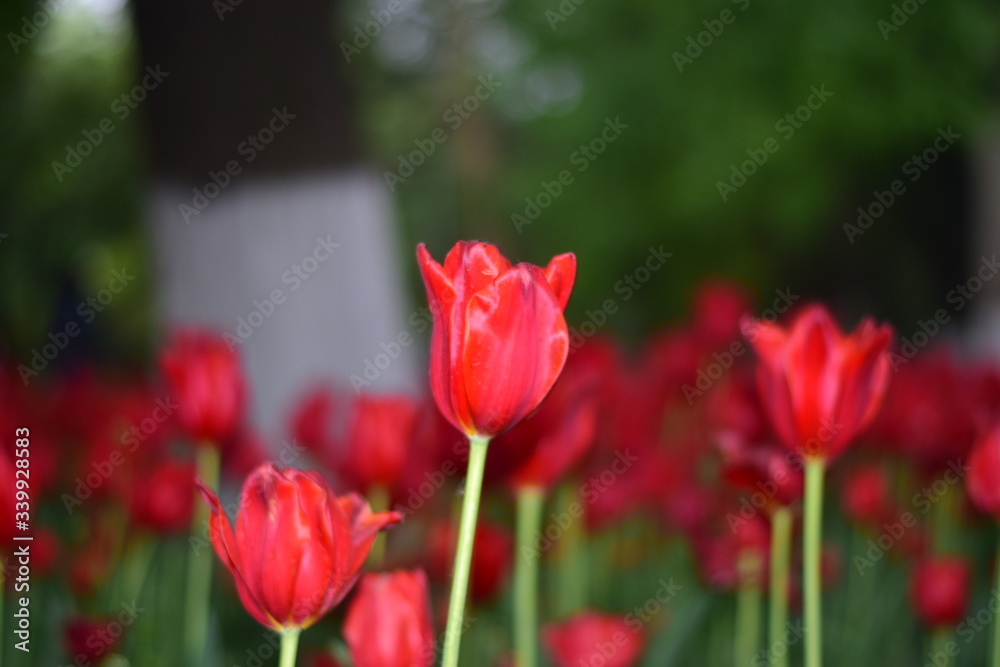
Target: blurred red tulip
column 819, row 387
column 939, row 590
column 162, row 498
column 379, row 441
column 312, row 421
column 983, row 478
column 718, row 307
column 316, row 659
column 929, row 411
column 591, row 638
column 89, row 639
column 492, row 551
column 388, row 623
column 500, row 339
column 297, row 549
column 205, row 379
column 864, row 495
column 761, row 470
column 546, row 445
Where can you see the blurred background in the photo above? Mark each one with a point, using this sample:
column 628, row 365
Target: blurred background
column 431, row 121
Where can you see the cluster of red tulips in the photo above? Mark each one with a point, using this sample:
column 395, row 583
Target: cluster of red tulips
column 686, row 456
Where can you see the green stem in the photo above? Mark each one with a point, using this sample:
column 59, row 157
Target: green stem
column 812, row 535
column 3, row 595
column 572, row 573
column 996, row 617
column 378, row 497
column 463, row 552
column 747, row 608
column 289, row 647
column 199, row 579
column 939, row 642
column 781, row 556
column 943, row 523
column 530, row 503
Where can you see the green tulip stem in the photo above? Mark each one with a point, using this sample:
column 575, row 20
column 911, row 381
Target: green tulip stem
column 530, row 503
column 463, row 552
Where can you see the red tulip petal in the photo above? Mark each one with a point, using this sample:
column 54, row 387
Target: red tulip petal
column 560, row 274
column 812, row 362
column 515, row 347
column 225, row 544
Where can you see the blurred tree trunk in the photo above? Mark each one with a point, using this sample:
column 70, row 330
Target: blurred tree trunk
column 267, row 224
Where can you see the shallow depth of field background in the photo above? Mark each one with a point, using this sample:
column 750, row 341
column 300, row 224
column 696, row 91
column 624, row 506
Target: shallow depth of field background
column 692, row 99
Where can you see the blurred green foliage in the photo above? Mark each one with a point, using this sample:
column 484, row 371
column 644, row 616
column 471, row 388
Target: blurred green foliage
column 564, row 68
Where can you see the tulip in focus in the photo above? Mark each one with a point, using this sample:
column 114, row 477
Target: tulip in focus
column 499, row 339
column 297, row 549
column 592, row 638
column 388, row 623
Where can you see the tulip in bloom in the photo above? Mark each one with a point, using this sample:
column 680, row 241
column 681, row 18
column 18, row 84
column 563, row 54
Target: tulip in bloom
column 939, row 590
column 500, row 339
column 389, row 621
column 983, row 481
column 820, row 387
column 204, row 377
column 297, row 549
column 592, row 638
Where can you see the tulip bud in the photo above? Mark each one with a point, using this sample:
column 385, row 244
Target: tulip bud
column 592, row 638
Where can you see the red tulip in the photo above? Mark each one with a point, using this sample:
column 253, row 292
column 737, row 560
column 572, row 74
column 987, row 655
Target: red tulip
column 718, row 306
column 491, row 557
column 939, row 590
column 592, row 638
column 545, row 446
column 312, row 420
column 819, row 387
column 379, row 441
column 90, row 639
column 499, row 340
column 983, row 480
column 206, row 381
column 163, row 498
column 297, row 548
column 388, row 623
column 761, row 470
column 865, row 495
